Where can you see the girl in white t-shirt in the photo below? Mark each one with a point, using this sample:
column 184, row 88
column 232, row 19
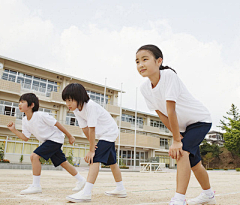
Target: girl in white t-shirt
column 187, row 119
column 96, row 123
column 48, row 131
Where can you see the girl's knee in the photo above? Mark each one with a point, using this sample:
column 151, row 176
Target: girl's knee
column 185, row 154
column 34, row 156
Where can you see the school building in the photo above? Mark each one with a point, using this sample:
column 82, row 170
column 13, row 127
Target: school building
column 16, row 78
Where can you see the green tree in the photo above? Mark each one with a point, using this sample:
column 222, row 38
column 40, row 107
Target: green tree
column 208, row 158
column 206, row 148
column 231, row 126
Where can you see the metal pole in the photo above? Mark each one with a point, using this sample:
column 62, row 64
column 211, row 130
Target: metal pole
column 120, row 120
column 135, row 138
column 104, row 103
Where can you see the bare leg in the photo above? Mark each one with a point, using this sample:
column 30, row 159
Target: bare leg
column 201, row 175
column 71, row 169
column 116, row 172
column 36, row 165
column 183, row 173
column 93, row 172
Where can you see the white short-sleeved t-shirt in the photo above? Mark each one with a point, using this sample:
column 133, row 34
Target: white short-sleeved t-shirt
column 41, row 125
column 94, row 115
column 170, row 87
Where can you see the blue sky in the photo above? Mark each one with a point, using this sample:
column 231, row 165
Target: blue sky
column 98, row 39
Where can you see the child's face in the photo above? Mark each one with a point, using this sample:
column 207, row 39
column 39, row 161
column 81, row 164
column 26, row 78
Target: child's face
column 23, row 106
column 147, row 65
column 71, row 104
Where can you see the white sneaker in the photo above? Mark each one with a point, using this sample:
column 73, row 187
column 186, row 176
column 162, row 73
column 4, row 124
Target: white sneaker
column 79, row 197
column 175, row 201
column 79, row 185
column 31, row 190
column 116, row 193
column 203, row 199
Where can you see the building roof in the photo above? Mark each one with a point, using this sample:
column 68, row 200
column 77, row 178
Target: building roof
column 62, row 74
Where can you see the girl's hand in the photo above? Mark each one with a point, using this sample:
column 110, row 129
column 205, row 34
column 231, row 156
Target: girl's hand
column 96, row 146
column 71, row 140
column 175, row 151
column 89, row 157
column 11, row 126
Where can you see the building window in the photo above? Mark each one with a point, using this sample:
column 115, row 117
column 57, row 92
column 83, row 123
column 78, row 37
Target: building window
column 98, row 97
column 71, row 119
column 131, row 119
column 127, row 157
column 38, row 85
column 164, row 143
column 49, row 111
column 10, row 109
column 156, row 123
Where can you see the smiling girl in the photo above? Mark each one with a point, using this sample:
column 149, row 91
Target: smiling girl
column 187, row 119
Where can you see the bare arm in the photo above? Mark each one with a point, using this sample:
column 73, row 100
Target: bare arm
column 11, row 127
column 86, row 132
column 164, row 119
column 175, row 151
column 92, row 138
column 63, row 129
column 173, row 122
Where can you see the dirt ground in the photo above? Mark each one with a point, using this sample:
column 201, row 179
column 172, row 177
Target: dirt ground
column 142, row 188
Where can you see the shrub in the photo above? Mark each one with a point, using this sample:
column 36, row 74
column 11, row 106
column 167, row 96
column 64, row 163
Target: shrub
column 209, row 168
column 21, row 159
column 1, row 153
column 225, row 168
column 43, row 161
column 5, row 161
column 238, row 169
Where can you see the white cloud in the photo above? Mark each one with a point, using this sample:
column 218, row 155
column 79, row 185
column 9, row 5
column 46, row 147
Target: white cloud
column 95, row 53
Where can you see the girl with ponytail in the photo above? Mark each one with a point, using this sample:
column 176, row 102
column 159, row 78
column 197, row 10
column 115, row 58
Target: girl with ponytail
column 187, row 119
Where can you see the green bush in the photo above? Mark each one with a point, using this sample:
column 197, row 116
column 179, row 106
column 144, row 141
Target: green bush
column 70, row 158
column 1, row 153
column 21, row 159
column 225, row 168
column 209, row 168
column 238, row 169
column 43, row 161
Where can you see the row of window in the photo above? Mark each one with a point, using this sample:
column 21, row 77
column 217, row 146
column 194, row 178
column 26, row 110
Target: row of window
column 29, row 82
column 159, row 124
column 131, row 119
column 14, row 145
column 44, row 86
column 126, row 157
column 11, row 109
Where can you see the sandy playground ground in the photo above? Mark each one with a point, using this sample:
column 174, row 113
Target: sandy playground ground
column 142, row 188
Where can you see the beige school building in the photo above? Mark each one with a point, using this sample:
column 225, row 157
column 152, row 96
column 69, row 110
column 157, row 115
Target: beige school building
column 16, row 78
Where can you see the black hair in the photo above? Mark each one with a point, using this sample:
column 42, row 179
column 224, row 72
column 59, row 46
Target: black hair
column 75, row 91
column 157, row 53
column 31, row 98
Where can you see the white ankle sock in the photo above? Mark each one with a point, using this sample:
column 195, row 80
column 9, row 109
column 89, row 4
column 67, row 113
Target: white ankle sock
column 208, row 192
column 88, row 188
column 79, row 177
column 179, row 196
column 120, row 186
column 36, row 181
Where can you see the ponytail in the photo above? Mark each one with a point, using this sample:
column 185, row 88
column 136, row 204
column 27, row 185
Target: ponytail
column 166, row 67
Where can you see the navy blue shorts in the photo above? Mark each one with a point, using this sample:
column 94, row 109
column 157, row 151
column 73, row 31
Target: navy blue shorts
column 192, row 138
column 52, row 150
column 105, row 153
